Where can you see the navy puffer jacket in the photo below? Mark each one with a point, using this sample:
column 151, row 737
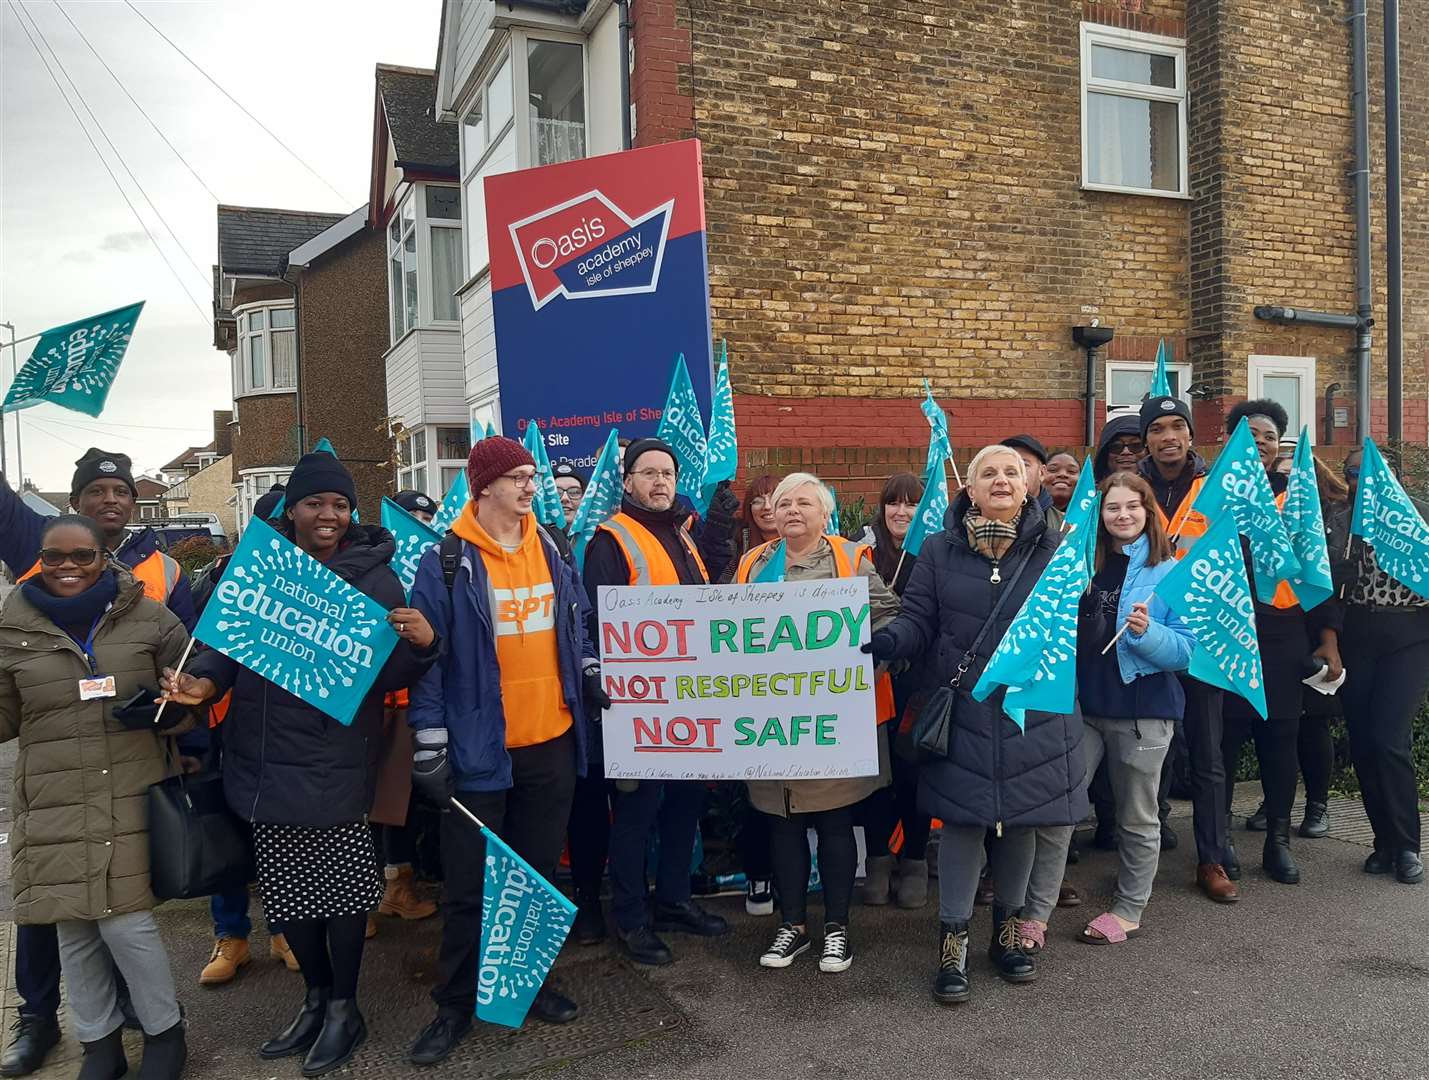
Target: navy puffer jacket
column 995, row 774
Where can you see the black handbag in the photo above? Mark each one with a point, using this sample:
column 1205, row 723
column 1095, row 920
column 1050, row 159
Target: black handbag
column 935, row 712
column 197, row 845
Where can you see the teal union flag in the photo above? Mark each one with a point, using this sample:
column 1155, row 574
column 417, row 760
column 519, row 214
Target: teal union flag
column 1389, row 523
column 547, row 504
column 601, row 499
column 1305, row 522
column 684, row 429
column 413, row 538
column 74, row 365
column 722, row 446
column 453, row 503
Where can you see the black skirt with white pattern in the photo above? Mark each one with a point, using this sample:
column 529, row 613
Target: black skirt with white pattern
column 316, row 873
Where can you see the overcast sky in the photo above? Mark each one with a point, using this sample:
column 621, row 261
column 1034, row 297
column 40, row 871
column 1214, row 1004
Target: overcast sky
column 70, row 247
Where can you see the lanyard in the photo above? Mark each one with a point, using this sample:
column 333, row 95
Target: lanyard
column 88, row 643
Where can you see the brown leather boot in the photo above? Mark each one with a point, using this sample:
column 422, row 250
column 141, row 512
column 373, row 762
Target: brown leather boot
column 1211, row 877
column 401, row 897
column 278, row 949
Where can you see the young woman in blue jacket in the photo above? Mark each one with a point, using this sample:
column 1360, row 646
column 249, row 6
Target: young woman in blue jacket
column 1130, row 700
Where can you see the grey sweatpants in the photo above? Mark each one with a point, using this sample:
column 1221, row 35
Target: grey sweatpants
column 133, row 941
column 1134, row 768
column 960, row 859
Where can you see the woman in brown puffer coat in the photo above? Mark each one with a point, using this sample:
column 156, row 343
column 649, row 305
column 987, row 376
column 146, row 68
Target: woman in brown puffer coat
column 77, row 642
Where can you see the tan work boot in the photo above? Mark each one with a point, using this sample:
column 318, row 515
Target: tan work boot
column 401, row 897
column 371, row 931
column 229, row 954
column 278, row 949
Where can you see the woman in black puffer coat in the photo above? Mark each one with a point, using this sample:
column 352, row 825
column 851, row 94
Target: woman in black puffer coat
column 995, row 775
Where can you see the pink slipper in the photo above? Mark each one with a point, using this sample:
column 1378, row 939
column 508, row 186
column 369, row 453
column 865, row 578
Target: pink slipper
column 1030, row 931
column 1109, row 931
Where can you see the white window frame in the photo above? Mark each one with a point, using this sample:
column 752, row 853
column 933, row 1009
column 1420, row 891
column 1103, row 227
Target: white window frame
column 517, row 47
column 1117, row 38
column 1259, row 366
column 443, row 464
column 420, row 227
column 1149, row 366
column 253, row 484
column 241, row 369
column 487, row 408
column 407, row 463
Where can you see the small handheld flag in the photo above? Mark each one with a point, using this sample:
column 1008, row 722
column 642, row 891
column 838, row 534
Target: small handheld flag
column 722, row 447
column 938, row 433
column 453, row 502
column 74, row 365
column 602, row 496
column 413, row 539
column 1305, row 522
column 682, row 427
column 928, row 517
column 323, row 446
column 1389, row 522
column 547, row 504
column 1161, row 379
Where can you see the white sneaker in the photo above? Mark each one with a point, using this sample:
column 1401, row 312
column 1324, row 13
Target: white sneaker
column 838, row 952
column 789, row 942
column 759, row 896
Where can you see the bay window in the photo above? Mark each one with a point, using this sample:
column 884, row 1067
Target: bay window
column 266, row 358
column 424, row 258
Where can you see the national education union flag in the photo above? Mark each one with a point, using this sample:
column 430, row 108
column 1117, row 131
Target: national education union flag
column 601, row 499
column 1037, row 658
column 684, row 429
column 938, row 435
column 74, row 365
column 1161, row 380
column 1389, row 522
column 1209, row 590
column 413, row 538
column 722, row 446
column 928, row 517
column 453, row 502
column 547, row 503
column 1237, row 483
column 1305, row 522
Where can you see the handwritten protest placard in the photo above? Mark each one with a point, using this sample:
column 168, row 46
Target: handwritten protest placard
column 747, row 682
column 281, row 613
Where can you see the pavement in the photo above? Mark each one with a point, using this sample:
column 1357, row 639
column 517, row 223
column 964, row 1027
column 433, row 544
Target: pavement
column 1327, row 979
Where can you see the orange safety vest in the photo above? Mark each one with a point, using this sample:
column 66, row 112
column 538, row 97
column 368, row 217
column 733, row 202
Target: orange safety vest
column 1186, row 525
column 847, row 556
column 1284, row 597
column 646, row 556
column 158, row 574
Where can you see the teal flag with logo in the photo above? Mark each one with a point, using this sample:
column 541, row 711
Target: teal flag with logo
column 938, row 433
column 1390, row 523
column 74, row 365
column 413, row 539
column 773, row 570
column 722, row 447
column 524, row 923
column 547, row 504
column 323, row 446
column 834, row 526
column 284, row 615
column 1036, row 660
column 1305, row 522
column 1209, row 590
column 684, row 429
column 1161, row 379
column 602, row 496
column 928, row 517
column 453, row 502
column 1237, row 484
column 1082, row 495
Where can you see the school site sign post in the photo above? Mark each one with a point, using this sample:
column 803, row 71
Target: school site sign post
column 599, row 279
column 746, row 682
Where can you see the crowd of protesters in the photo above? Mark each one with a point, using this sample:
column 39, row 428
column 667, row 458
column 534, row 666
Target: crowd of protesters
column 496, row 703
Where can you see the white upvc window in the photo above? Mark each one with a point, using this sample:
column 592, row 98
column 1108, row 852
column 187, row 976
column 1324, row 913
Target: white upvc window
column 430, row 458
column 1129, row 381
column 253, row 484
column 424, row 258
column 549, row 73
column 1290, row 382
column 266, row 360
column 412, row 461
column 1134, row 109
column 486, row 411
column 453, row 447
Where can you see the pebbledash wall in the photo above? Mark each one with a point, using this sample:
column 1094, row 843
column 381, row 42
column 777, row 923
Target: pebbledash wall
column 894, row 192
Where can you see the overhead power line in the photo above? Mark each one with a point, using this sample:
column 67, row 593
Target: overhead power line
column 120, row 83
column 194, row 64
column 203, row 276
column 203, row 315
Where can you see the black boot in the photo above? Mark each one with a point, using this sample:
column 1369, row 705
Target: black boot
column 1005, row 952
column 164, row 1054
column 1317, row 821
column 1258, row 822
column 104, row 1060
column 1232, row 861
column 35, row 1036
column 952, row 984
column 1277, row 860
column 343, row 1032
column 303, row 1031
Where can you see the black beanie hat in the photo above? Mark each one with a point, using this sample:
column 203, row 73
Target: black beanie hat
column 316, row 473
column 412, row 500
column 1153, row 409
column 565, row 467
column 269, row 503
column 1030, row 443
column 643, row 446
column 101, row 465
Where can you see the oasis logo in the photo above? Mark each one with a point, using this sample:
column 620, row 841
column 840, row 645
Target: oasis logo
column 587, row 247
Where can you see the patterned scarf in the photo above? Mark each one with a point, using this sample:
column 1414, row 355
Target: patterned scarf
column 989, row 538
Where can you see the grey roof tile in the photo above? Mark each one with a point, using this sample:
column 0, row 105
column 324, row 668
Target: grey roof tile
column 418, row 137
column 256, row 239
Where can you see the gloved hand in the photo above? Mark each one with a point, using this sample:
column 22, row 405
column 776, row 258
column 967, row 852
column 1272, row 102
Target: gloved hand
column 724, row 503
column 431, row 773
column 593, row 691
column 880, row 645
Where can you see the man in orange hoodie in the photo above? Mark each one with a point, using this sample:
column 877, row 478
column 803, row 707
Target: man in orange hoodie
column 500, row 722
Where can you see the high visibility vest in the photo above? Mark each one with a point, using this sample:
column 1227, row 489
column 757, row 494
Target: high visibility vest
column 158, row 573
column 1284, row 597
column 646, row 557
column 847, row 556
column 1186, row 525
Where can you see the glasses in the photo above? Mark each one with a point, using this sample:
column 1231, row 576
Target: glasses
column 654, row 474
column 760, row 502
column 1126, row 447
column 570, row 494
column 521, row 480
column 79, row 556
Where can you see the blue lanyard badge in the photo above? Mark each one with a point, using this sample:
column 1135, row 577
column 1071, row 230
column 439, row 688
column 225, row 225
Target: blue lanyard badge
column 97, row 686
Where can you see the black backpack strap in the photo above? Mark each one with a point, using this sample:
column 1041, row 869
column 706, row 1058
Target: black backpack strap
column 559, row 541
column 451, row 558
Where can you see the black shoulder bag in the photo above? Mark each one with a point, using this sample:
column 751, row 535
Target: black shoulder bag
column 197, row 845
column 935, row 711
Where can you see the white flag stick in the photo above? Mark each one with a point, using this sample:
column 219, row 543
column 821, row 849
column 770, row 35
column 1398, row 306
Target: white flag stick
column 899, row 568
column 479, row 823
column 177, row 672
column 1112, row 642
